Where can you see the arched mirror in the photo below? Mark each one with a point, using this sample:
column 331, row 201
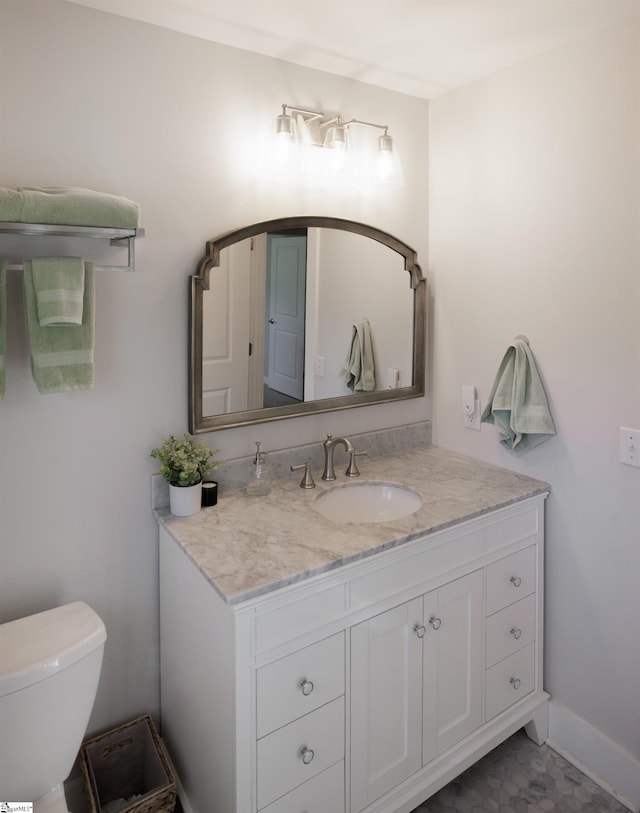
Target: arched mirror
column 302, row 315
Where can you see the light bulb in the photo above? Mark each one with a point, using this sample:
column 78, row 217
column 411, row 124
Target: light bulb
column 284, row 126
column 282, row 138
column 388, row 169
column 338, row 139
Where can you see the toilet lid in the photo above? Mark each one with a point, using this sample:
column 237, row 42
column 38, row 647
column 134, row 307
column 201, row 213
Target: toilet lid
column 38, row 646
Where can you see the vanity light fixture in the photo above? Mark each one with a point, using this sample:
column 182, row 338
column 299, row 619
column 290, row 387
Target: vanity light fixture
column 319, row 142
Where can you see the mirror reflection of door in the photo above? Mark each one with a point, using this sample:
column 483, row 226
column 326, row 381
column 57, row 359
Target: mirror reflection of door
column 226, row 325
column 285, row 319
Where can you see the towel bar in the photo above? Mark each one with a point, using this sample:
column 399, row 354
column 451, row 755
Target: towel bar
column 20, row 267
column 116, row 237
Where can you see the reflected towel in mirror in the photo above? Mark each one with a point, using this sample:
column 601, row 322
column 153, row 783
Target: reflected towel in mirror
column 360, row 373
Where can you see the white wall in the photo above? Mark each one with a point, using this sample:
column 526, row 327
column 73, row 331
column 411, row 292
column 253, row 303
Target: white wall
column 534, row 229
column 175, row 123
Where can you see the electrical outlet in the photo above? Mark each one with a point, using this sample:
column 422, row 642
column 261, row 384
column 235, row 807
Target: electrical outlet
column 319, row 366
column 630, row 446
column 471, row 420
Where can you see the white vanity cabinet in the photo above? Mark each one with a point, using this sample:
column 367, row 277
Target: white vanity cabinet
column 365, row 688
column 416, row 685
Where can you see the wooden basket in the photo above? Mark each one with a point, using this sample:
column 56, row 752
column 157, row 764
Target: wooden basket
column 128, row 763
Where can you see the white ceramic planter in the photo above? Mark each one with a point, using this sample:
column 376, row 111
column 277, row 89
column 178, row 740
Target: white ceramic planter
column 184, row 501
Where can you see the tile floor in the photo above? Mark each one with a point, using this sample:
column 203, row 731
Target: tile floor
column 520, row 777
column 516, row 777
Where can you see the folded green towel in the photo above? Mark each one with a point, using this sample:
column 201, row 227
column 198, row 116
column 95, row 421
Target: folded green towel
column 10, row 205
column 61, row 355
column 360, row 373
column 3, row 321
column 59, row 286
column 75, row 206
column 517, row 405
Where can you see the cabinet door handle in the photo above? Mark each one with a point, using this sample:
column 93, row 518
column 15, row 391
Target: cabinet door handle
column 419, row 630
column 306, row 754
column 515, row 632
column 516, row 581
column 306, row 686
column 436, row 623
column 515, row 682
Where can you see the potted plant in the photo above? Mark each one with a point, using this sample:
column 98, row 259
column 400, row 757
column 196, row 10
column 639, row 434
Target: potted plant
column 184, row 464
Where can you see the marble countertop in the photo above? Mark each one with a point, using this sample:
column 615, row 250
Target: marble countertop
column 249, row 546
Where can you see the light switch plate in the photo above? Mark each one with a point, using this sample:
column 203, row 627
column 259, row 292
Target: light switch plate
column 630, row 446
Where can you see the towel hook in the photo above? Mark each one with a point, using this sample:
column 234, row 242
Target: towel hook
column 522, row 337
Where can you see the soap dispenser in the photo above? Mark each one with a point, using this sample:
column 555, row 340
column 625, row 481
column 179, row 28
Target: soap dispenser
column 260, row 483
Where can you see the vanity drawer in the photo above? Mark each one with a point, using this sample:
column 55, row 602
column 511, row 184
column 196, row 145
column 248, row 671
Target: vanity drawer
column 509, row 681
column 323, row 793
column 299, row 683
column 283, row 623
column 415, row 568
column 282, row 763
column 510, row 629
column 513, row 529
column 510, row 579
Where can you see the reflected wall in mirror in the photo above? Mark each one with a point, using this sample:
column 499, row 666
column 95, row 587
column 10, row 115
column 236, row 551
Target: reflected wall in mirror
column 302, row 315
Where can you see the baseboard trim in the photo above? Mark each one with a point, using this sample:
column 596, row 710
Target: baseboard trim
column 601, row 759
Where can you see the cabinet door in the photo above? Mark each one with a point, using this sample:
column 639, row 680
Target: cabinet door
column 386, row 689
column 452, row 671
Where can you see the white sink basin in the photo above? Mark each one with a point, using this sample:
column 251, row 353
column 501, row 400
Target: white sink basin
column 367, row 502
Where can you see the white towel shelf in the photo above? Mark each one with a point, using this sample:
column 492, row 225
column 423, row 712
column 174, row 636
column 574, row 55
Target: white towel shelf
column 116, row 237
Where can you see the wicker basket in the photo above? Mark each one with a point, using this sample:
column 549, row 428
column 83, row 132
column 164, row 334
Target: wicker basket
column 128, row 763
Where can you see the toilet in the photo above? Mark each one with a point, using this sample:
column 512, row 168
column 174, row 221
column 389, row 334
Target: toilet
column 50, row 665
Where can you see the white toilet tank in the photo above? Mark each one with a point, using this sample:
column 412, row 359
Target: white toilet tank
column 50, row 665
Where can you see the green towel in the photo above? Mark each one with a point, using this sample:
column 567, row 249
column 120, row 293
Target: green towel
column 59, row 286
column 517, row 405
column 61, row 355
column 360, row 373
column 10, row 205
column 75, row 206
column 3, row 321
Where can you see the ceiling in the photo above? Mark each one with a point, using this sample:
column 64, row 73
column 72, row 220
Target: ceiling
column 419, row 47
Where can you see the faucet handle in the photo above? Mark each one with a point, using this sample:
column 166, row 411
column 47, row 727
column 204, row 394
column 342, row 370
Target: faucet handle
column 352, row 470
column 307, row 480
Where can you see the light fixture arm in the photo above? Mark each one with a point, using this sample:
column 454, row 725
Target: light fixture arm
column 334, row 121
column 384, row 127
column 310, row 115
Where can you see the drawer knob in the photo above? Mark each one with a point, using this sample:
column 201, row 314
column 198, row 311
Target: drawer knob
column 306, row 687
column 419, row 630
column 306, row 754
column 516, row 581
column 436, row 623
column 515, row 682
column 515, row 632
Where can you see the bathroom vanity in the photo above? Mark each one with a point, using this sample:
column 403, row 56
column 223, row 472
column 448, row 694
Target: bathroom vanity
column 311, row 666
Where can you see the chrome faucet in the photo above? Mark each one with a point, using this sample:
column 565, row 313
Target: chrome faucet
column 329, row 448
